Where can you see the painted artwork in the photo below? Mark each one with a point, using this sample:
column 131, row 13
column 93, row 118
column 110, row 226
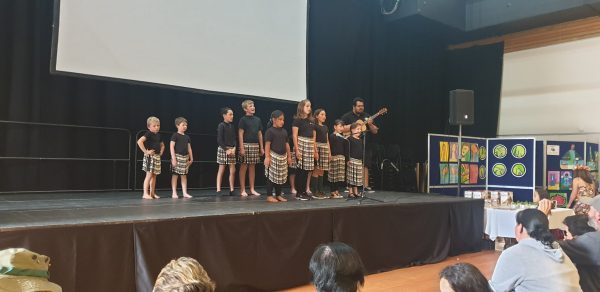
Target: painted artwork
column 499, row 151
column 474, row 152
column 560, row 198
column 499, row 169
column 453, row 173
column 482, row 153
column 482, row 172
column 444, row 151
column 553, row 180
column 518, row 170
column 566, row 180
column 518, row 151
column 453, row 152
column 473, row 173
column 570, row 159
column 592, row 158
column 444, row 174
column 465, row 152
column 464, row 174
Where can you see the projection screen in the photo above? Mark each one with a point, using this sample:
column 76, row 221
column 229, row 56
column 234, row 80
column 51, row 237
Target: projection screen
column 249, row 47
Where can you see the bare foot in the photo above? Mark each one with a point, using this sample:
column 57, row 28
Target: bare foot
column 244, row 194
column 155, row 196
column 293, row 192
column 174, row 196
column 255, row 193
column 147, row 197
column 281, row 199
column 187, row 196
column 272, row 199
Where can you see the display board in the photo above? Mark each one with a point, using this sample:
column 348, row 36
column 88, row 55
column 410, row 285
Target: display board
column 561, row 159
column 511, row 166
column 443, row 163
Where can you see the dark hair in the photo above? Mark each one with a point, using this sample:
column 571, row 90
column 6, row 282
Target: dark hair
column 542, row 193
column 465, row 277
column 357, row 99
column 180, row 120
column 317, row 112
column 578, row 224
column 536, row 224
column 584, row 174
column 224, row 110
column 338, row 122
column 274, row 115
column 336, row 267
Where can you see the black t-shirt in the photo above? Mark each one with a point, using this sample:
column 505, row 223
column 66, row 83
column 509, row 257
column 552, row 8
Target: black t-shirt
column 336, row 143
column 278, row 138
column 181, row 143
column 226, row 135
column 321, row 133
column 355, row 148
column 152, row 141
column 350, row 117
column 305, row 127
column 251, row 126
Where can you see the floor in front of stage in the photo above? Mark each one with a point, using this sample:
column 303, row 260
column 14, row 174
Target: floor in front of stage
column 23, row 211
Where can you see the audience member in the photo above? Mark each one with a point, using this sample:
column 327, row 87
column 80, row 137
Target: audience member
column 183, row 275
column 462, row 277
column 584, row 189
column 540, row 196
column 22, row 270
column 536, row 263
column 577, row 225
column 336, row 267
column 584, row 250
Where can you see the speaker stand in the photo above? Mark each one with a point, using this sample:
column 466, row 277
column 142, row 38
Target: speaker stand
column 459, row 157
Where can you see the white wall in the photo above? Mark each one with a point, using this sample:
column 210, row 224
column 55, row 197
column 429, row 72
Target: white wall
column 553, row 89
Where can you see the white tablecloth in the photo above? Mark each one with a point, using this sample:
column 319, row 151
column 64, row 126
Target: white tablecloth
column 501, row 222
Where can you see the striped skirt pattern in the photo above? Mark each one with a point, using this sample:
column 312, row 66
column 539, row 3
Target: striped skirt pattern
column 278, row 169
column 306, row 149
column 337, row 169
column 181, row 167
column 252, row 154
column 323, row 161
column 151, row 163
column 223, row 158
column 354, row 173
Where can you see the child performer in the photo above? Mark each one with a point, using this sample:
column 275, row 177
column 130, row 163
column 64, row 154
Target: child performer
column 226, row 150
column 292, row 168
column 153, row 149
column 337, row 167
column 278, row 157
column 303, row 131
column 181, row 157
column 251, row 146
column 354, row 172
column 322, row 162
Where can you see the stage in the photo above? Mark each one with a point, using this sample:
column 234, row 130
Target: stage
column 119, row 242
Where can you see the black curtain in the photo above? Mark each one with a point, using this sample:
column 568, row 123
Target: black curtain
column 404, row 65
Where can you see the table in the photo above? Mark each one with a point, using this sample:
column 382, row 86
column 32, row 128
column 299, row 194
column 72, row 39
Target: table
column 500, row 222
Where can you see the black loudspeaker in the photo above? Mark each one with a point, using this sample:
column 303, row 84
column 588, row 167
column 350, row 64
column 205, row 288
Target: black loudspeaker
column 461, row 107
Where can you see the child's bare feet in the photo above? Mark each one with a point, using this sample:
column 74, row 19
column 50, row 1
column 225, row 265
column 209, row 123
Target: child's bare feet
column 254, row 193
column 147, row 197
column 244, row 194
column 281, row 199
column 187, row 196
column 155, row 196
column 272, row 199
column 174, row 196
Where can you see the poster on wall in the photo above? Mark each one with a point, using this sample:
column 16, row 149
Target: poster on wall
column 566, row 180
column 453, row 152
column 444, row 151
column 553, row 180
column 571, row 158
column 511, row 164
column 453, row 173
column 444, row 174
column 560, row 198
column 553, row 150
column 591, row 156
column 465, row 152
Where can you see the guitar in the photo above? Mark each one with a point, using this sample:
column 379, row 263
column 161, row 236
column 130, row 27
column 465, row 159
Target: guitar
column 363, row 124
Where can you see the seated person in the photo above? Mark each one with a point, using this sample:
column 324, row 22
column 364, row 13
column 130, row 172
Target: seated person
column 536, row 263
column 540, row 196
column 463, row 277
column 584, row 250
column 183, row 275
column 336, row 267
column 577, row 225
column 26, row 271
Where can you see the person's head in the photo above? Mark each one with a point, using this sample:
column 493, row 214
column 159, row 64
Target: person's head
column 277, row 119
column 462, row 277
column 183, row 275
column 320, row 116
column 338, row 126
column 594, row 213
column 181, row 123
column 336, row 267
column 540, row 194
column 577, row 225
column 248, row 107
column 355, row 128
column 583, row 172
column 304, row 109
column 358, row 105
column 153, row 124
column 227, row 114
column 533, row 223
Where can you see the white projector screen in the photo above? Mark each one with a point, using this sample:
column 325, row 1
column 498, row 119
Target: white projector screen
column 249, row 47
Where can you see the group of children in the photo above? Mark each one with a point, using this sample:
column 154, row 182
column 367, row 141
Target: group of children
column 314, row 152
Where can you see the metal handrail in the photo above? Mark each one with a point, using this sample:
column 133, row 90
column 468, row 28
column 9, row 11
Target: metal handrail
column 126, row 131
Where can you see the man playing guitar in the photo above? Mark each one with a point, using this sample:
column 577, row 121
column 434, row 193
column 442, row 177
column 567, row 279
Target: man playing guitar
column 358, row 113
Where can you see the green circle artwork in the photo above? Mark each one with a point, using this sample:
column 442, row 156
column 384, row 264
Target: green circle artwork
column 482, row 172
column 482, row 153
column 499, row 169
column 499, row 151
column 518, row 151
column 518, row 170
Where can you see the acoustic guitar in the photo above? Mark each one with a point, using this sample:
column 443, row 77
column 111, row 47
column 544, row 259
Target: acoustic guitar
column 363, row 124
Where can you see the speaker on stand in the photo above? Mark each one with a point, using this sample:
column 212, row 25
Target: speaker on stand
column 461, row 113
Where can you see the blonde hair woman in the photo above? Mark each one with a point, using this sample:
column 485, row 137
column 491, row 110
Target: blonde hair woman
column 183, row 275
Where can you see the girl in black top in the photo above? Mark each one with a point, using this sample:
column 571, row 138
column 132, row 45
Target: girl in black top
column 337, row 166
column 226, row 149
column 277, row 157
column 322, row 162
column 303, row 131
column 354, row 156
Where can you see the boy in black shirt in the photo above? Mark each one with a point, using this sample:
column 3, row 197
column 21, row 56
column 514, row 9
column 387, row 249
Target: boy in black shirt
column 251, row 146
column 226, row 149
column 337, row 167
column 181, row 157
column 354, row 174
column 153, row 149
column 278, row 157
